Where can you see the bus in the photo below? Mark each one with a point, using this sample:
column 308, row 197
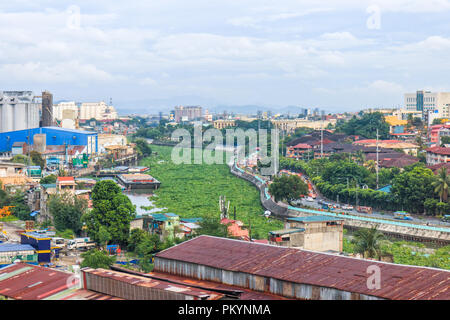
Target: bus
column 402, row 215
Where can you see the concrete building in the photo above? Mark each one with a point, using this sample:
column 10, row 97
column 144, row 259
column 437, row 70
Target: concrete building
column 289, row 125
column 18, row 110
column 47, row 109
column 65, row 108
column 444, row 131
column 106, row 140
column 97, row 110
column 436, row 155
column 316, row 233
column 425, row 101
column 396, row 125
column 65, row 184
column 406, row 147
column 188, row 113
column 298, row 274
column 222, row 124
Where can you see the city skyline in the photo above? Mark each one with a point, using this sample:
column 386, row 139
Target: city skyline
column 336, row 55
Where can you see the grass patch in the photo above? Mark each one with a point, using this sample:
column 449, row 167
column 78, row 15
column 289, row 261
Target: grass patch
column 193, row 190
column 9, row 219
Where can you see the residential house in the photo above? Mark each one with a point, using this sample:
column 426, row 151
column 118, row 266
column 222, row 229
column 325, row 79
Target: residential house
column 437, row 155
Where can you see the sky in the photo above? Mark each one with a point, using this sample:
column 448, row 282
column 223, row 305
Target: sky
column 152, row 55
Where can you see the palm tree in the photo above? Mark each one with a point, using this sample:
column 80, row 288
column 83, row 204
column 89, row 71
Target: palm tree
column 441, row 184
column 367, row 242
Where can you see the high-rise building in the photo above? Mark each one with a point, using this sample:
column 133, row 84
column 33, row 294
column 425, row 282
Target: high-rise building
column 188, row 113
column 47, row 109
column 98, row 111
column 18, row 111
column 436, row 103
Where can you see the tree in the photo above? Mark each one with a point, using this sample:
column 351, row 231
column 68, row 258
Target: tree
column 67, row 211
column 37, row 159
column 20, row 158
column 211, row 226
column 287, row 188
column 413, row 186
column 111, row 209
column 21, row 210
column 145, row 250
column 441, row 184
column 143, row 147
column 365, row 126
column 97, row 259
column 367, row 242
column 48, row 179
column 137, row 236
column 103, row 236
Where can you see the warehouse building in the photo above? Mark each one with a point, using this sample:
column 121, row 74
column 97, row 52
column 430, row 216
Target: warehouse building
column 40, row 138
column 21, row 281
column 299, row 274
column 10, row 252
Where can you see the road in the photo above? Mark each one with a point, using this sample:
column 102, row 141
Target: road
column 376, row 214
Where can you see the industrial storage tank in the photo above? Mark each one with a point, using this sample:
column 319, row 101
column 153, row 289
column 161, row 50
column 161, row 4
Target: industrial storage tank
column 18, row 111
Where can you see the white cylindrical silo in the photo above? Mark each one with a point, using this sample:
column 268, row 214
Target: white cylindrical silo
column 20, row 121
column 7, row 117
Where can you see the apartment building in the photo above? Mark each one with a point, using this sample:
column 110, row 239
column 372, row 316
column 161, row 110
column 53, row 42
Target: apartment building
column 435, row 103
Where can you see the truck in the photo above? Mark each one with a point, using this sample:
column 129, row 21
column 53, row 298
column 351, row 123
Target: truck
column 80, row 244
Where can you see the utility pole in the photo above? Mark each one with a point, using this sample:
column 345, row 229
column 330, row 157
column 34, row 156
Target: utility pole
column 321, row 140
column 377, row 159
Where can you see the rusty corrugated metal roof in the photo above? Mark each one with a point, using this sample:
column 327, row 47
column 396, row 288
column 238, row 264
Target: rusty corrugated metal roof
column 246, row 294
column 29, row 282
column 136, row 280
column 314, row 268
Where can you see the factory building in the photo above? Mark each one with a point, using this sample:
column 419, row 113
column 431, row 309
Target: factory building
column 18, row 110
column 40, row 138
column 299, row 274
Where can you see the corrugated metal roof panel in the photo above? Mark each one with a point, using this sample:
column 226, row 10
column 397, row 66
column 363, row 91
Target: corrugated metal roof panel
column 29, row 282
column 314, row 268
column 7, row 247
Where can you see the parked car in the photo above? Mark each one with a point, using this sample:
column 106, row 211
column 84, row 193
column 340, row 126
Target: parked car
column 309, row 199
column 347, row 207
